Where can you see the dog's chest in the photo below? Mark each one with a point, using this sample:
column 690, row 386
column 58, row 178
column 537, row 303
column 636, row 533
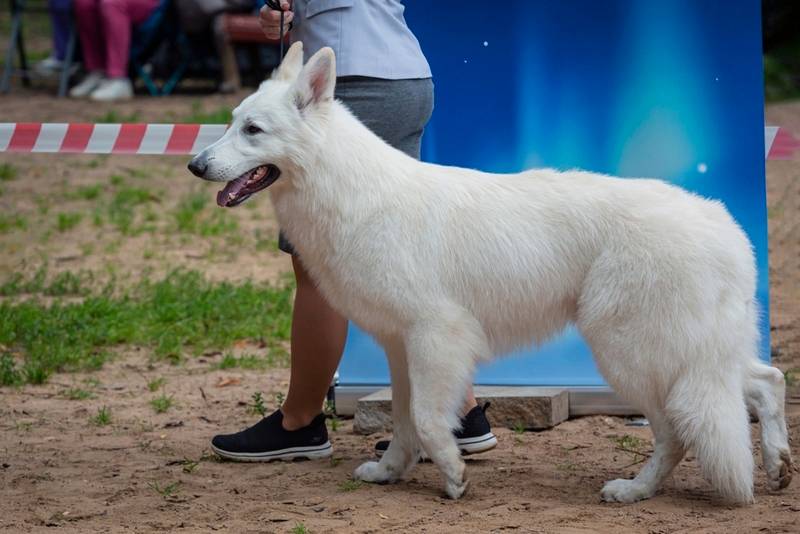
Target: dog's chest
column 350, row 265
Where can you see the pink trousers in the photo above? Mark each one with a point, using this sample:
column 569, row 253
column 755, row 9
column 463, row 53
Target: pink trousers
column 104, row 27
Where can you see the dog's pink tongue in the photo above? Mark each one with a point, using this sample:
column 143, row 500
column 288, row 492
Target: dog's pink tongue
column 231, row 191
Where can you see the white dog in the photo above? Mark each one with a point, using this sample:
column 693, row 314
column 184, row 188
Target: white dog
column 448, row 267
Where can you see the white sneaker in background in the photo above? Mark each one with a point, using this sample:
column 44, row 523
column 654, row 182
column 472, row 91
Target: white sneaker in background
column 48, row 66
column 113, row 89
column 89, row 84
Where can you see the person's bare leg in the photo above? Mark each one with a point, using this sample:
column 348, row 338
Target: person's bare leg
column 469, row 402
column 318, row 337
column 227, row 56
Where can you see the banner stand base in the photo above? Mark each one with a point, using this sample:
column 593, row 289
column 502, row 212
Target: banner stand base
column 588, row 400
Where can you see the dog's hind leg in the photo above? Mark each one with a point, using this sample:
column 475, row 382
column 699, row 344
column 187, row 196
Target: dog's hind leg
column 442, row 351
column 668, row 451
column 764, row 391
column 403, row 450
column 709, row 414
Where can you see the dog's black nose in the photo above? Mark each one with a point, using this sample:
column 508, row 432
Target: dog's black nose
column 198, row 166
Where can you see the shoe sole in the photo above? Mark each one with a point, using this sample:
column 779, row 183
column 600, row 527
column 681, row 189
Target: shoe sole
column 311, row 453
column 467, row 446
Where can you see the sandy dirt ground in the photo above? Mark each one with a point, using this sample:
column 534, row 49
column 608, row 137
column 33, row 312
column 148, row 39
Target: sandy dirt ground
column 147, row 472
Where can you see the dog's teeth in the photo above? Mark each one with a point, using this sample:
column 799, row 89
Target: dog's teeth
column 231, row 196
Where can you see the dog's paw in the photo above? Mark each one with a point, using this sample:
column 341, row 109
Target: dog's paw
column 780, row 475
column 456, row 490
column 373, row 472
column 626, row 491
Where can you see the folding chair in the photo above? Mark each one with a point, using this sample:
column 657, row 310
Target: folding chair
column 161, row 29
column 16, row 44
column 245, row 29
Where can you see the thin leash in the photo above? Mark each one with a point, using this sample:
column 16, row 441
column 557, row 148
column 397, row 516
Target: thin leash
column 276, row 5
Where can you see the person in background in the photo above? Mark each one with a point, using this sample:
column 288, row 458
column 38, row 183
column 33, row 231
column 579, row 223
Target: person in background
column 384, row 79
column 61, row 23
column 198, row 17
column 104, row 29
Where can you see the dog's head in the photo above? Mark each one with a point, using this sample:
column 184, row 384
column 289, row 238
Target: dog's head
column 274, row 129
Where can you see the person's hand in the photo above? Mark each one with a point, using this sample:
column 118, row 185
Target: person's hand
column 270, row 19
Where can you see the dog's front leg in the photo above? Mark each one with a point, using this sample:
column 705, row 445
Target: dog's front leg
column 441, row 353
column 403, row 452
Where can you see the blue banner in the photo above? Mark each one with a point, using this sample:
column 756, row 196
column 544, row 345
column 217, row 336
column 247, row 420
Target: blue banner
column 668, row 89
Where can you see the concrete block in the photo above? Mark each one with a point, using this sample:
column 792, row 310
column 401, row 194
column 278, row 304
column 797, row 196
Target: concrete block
column 534, row 408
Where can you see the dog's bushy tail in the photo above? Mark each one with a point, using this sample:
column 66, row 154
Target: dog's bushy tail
column 710, row 417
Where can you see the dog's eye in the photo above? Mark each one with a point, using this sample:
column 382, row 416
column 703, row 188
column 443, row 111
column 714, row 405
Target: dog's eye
column 252, row 129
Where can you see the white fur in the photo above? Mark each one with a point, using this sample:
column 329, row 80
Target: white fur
column 447, row 267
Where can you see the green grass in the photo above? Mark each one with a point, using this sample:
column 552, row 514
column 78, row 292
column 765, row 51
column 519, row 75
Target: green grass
column 97, row 161
column 97, row 217
column 76, row 393
column 637, row 447
column 188, row 211
column 114, row 117
column 258, row 407
column 631, row 443
column 332, row 419
column 265, row 242
column 91, row 381
column 63, row 284
column 299, row 528
column 792, row 377
column 567, row 467
column 156, row 384
column 198, row 115
column 102, row 418
column 137, row 172
column 87, row 192
column 178, row 314
column 7, row 172
column 192, row 217
column 121, row 210
column 166, row 491
column 10, row 374
column 12, row 222
column 350, row 485
column 68, row 221
column 162, row 403
column 189, row 465
column 250, row 361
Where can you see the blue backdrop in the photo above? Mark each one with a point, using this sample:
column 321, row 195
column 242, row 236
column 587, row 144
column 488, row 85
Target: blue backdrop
column 644, row 88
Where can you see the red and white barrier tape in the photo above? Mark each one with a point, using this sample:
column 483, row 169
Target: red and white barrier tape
column 780, row 143
column 108, row 138
column 192, row 138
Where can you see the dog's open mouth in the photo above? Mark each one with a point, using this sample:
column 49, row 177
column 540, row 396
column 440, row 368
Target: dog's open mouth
column 238, row 190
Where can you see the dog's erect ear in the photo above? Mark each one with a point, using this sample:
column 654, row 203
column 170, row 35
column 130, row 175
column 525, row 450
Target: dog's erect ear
column 316, row 81
column 291, row 65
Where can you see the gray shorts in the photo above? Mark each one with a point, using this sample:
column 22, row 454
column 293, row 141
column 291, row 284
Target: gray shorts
column 395, row 110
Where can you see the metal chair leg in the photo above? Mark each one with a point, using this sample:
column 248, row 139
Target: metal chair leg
column 23, row 61
column 5, row 82
column 67, row 64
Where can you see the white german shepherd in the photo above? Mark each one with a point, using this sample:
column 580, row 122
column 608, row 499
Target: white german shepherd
column 448, row 267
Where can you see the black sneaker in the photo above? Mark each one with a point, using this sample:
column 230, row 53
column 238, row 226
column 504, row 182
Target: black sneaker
column 267, row 440
column 475, row 435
